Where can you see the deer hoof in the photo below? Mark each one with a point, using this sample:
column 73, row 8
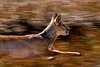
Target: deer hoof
column 80, row 54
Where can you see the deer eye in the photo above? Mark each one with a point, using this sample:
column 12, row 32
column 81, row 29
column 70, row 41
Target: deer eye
column 63, row 25
column 59, row 23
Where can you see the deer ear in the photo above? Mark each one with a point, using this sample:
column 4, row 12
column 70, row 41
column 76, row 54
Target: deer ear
column 58, row 18
column 54, row 16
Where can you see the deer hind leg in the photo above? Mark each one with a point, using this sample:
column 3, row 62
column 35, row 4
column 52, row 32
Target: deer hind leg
column 48, row 58
column 61, row 52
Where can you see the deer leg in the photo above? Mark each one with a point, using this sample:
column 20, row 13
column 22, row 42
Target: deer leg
column 61, row 52
column 49, row 55
column 49, row 58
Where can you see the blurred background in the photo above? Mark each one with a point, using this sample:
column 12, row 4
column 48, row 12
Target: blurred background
column 21, row 17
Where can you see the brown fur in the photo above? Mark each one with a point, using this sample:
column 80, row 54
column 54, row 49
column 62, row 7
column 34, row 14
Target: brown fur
column 34, row 45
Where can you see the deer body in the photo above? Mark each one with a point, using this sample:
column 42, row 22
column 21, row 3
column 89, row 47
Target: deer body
column 34, row 45
column 21, row 47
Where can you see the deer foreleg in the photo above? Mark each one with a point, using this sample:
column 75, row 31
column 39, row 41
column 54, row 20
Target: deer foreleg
column 61, row 52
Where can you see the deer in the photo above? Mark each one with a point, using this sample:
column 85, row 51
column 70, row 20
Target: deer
column 35, row 45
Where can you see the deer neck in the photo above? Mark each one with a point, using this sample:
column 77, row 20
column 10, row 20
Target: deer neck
column 50, row 33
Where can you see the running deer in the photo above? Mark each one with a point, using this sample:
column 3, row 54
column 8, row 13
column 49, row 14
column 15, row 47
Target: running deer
column 40, row 44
